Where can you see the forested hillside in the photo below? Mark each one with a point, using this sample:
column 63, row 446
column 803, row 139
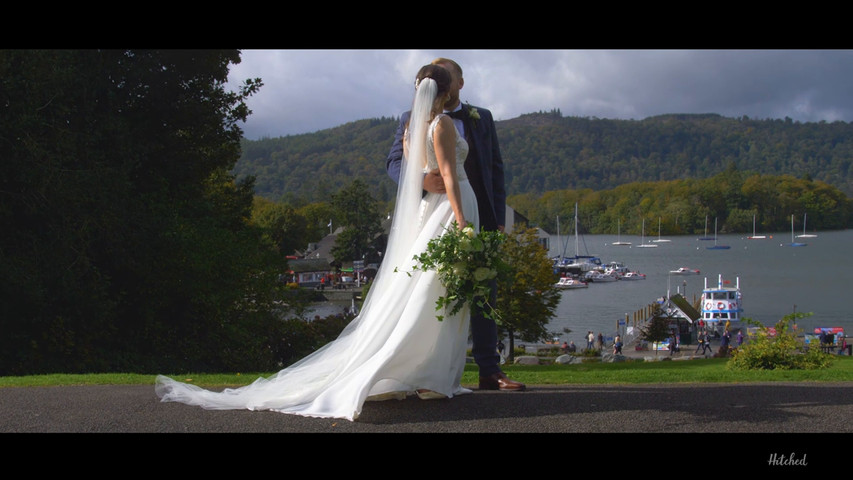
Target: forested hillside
column 546, row 152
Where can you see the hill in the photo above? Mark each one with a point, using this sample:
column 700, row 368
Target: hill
column 545, row 151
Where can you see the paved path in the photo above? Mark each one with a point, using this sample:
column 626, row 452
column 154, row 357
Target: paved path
column 742, row 410
column 722, row 408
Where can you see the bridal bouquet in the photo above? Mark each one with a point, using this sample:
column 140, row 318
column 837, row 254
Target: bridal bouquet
column 466, row 263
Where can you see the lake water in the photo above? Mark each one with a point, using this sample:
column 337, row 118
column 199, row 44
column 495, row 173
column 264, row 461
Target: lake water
column 775, row 279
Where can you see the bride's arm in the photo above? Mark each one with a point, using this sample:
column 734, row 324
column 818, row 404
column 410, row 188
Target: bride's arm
column 444, row 141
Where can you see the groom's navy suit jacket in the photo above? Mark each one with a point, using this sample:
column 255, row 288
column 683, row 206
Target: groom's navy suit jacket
column 484, row 165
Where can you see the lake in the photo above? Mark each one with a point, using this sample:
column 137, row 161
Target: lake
column 775, row 279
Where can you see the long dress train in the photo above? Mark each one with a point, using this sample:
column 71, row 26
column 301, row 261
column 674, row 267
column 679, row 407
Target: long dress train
column 394, row 347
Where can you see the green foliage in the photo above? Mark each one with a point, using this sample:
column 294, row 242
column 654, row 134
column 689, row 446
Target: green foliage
column 778, row 349
column 657, row 329
column 361, row 219
column 684, row 205
column 547, row 152
column 467, row 263
column 284, row 227
column 126, row 242
column 526, row 298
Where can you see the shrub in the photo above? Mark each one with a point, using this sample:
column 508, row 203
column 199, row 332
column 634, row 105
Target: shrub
column 779, row 350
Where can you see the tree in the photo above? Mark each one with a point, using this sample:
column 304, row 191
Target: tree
column 658, row 328
column 526, row 298
column 126, row 242
column 361, row 221
column 285, row 227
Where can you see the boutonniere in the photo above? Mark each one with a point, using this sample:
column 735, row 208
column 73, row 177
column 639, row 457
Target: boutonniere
column 473, row 113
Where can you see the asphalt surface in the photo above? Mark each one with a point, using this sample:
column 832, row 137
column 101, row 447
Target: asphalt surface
column 751, row 421
column 694, row 408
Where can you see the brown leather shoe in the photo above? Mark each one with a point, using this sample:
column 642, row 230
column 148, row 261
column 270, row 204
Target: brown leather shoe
column 499, row 381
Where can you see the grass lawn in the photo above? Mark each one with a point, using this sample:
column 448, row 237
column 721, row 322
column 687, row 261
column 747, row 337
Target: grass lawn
column 712, row 370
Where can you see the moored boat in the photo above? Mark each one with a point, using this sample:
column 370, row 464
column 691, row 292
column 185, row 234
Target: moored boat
column 633, row 276
column 570, row 283
column 684, row 271
column 722, row 305
column 597, row 276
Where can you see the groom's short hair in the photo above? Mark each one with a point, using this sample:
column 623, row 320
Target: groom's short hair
column 447, row 61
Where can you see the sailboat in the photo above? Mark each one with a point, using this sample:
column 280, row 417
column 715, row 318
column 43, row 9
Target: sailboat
column 793, row 243
column 660, row 240
column 578, row 264
column 619, row 234
column 706, row 237
column 804, row 235
column 754, row 236
column 643, row 243
column 717, row 247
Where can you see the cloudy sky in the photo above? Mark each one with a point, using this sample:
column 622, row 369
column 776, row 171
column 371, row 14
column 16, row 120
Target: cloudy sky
column 309, row 90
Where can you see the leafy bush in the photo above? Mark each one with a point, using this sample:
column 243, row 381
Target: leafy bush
column 779, row 350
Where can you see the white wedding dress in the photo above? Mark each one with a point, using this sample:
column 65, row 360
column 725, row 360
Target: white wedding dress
column 395, row 346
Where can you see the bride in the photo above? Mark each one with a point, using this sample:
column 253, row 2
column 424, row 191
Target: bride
column 395, row 347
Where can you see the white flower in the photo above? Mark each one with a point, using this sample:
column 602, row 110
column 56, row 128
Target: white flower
column 473, row 114
column 483, row 273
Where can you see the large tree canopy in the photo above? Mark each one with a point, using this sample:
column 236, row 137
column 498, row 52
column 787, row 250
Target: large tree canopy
column 126, row 241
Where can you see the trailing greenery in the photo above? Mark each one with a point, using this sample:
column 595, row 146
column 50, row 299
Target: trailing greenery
column 778, row 349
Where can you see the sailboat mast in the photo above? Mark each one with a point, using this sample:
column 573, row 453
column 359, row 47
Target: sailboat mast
column 577, row 249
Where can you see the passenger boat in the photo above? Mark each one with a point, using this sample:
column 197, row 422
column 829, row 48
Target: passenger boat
column 633, row 276
column 569, row 283
column 684, row 271
column 722, row 305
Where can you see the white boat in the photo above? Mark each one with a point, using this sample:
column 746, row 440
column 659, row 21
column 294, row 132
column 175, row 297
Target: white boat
column 616, row 267
column 570, row 283
column 600, row 277
column 660, row 240
column 793, row 243
column 684, row 271
column 722, row 305
column 634, row 276
column 717, row 247
column 754, row 236
column 706, row 237
column 619, row 235
column 805, row 235
column 643, row 243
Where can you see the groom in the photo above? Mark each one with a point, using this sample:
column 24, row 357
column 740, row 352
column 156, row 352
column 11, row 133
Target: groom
column 484, row 168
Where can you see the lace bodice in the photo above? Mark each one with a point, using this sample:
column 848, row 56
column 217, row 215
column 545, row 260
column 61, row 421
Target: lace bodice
column 461, row 151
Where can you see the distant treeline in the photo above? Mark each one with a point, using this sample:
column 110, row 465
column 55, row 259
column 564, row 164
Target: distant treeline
column 732, row 198
column 546, row 152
